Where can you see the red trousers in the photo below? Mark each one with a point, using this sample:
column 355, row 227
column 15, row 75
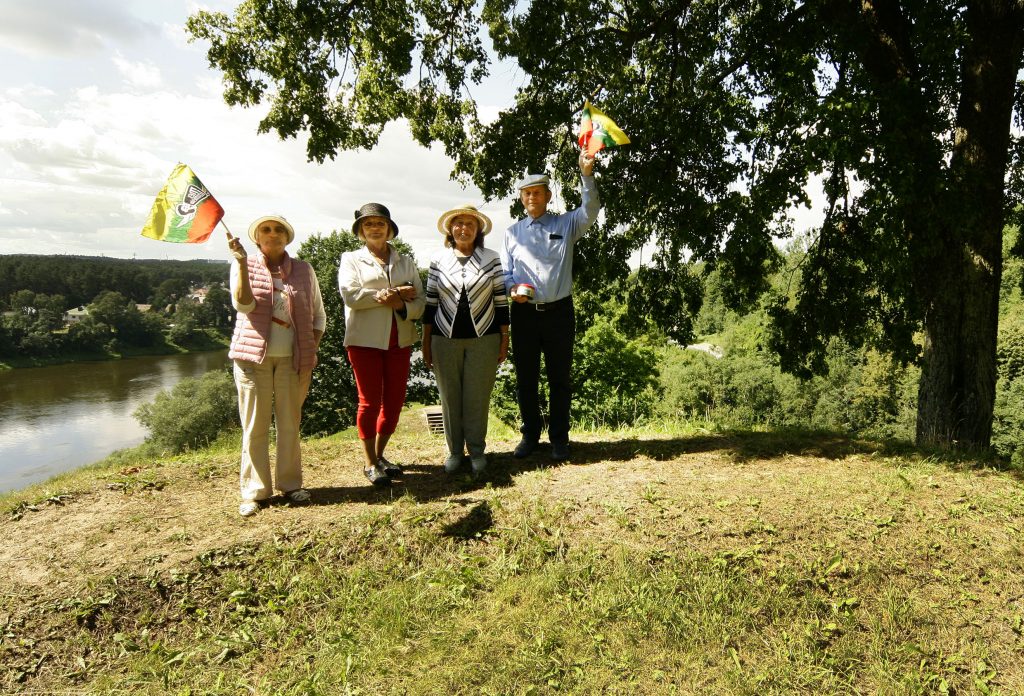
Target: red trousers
column 381, row 378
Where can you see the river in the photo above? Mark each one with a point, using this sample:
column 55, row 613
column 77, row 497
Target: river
column 54, row 419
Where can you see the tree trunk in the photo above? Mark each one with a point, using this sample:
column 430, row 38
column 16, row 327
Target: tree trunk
column 959, row 281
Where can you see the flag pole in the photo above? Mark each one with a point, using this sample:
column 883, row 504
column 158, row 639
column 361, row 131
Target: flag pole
column 224, row 225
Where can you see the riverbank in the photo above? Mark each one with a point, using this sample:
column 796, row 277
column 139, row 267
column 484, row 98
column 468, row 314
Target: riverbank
column 658, row 561
column 205, row 340
column 60, row 417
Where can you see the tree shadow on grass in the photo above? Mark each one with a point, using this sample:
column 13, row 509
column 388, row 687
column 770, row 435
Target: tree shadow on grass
column 743, row 447
column 420, row 482
column 477, row 521
column 423, row 482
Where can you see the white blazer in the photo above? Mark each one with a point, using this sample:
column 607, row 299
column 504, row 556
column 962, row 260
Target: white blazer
column 367, row 322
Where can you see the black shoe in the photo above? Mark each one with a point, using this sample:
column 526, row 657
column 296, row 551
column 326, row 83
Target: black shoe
column 391, row 470
column 524, row 448
column 559, row 451
column 375, row 475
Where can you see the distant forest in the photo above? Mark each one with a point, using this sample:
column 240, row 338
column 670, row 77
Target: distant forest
column 79, row 279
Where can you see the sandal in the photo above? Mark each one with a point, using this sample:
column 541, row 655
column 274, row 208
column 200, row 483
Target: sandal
column 391, row 470
column 375, row 475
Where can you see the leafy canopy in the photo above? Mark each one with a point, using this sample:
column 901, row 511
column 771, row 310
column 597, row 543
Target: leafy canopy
column 731, row 107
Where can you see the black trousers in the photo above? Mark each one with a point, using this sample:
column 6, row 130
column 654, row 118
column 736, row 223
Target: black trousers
column 550, row 332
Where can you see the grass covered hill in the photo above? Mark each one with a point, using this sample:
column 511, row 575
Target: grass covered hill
column 659, row 561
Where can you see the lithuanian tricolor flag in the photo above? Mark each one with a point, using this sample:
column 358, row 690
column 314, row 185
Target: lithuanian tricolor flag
column 184, row 211
column 597, row 131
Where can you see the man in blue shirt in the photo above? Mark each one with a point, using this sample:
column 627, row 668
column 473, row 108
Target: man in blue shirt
column 537, row 260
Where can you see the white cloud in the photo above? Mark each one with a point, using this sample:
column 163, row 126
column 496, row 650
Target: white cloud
column 67, row 27
column 15, row 117
column 137, row 74
column 86, row 143
column 85, row 174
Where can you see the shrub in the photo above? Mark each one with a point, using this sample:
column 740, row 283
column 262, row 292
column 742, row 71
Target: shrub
column 331, row 403
column 692, row 385
column 1010, row 348
column 503, row 398
column 1008, row 420
column 191, row 414
column 615, row 380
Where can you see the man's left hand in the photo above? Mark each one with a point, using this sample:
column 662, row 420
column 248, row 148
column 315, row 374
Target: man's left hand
column 586, row 163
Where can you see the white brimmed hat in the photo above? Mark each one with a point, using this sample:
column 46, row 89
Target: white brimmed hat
column 266, row 218
column 533, row 180
column 444, row 222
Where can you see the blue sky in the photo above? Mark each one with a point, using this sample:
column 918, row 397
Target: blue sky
column 100, row 98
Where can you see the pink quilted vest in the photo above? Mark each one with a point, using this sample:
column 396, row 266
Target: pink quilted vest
column 252, row 330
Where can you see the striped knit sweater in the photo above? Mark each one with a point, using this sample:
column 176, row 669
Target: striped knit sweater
column 483, row 281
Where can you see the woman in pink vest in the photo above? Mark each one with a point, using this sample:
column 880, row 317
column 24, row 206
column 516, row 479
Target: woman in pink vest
column 278, row 328
column 383, row 297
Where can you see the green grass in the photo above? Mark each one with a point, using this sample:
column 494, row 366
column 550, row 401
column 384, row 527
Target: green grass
column 661, row 561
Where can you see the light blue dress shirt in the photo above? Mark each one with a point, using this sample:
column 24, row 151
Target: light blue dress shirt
column 539, row 251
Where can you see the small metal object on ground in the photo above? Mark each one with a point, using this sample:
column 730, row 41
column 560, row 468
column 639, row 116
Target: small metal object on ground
column 435, row 421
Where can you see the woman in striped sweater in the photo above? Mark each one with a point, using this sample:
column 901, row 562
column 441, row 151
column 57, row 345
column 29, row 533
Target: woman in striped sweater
column 465, row 331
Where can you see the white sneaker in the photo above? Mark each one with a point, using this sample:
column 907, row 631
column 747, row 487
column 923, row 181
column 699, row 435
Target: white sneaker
column 479, row 463
column 452, row 463
column 248, row 508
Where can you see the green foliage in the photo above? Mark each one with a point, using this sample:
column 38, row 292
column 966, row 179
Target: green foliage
column 1008, row 424
column 192, row 414
column 342, row 71
column 1010, row 349
column 731, row 107
column 186, row 323
column 864, row 392
column 36, row 327
column 88, row 335
column 331, row 403
column 504, row 405
column 129, row 326
column 615, row 380
column 81, row 278
column 217, row 311
column 169, row 293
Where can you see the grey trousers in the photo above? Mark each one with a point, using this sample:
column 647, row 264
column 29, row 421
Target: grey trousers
column 465, row 369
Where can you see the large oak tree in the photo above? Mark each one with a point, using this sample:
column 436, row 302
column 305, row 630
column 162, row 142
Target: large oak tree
column 904, row 109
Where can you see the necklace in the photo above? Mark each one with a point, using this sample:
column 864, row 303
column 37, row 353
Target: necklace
column 381, row 258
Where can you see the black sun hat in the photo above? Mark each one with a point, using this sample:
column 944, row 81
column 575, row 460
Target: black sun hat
column 374, row 210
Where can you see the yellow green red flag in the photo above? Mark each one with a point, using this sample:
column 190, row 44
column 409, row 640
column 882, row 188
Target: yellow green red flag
column 184, row 211
column 597, row 131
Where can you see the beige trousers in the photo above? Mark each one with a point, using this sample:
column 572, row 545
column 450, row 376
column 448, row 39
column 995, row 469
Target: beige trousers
column 272, row 386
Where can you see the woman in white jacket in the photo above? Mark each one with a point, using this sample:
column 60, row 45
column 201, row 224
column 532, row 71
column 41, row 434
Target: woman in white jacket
column 383, row 297
column 465, row 331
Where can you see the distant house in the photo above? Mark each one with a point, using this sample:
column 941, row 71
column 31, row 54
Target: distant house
column 143, row 307
column 75, row 315
column 709, row 348
column 199, row 295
